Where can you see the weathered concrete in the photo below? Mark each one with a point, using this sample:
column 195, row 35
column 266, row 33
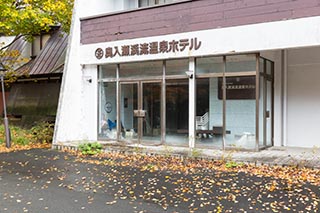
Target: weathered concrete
column 284, row 156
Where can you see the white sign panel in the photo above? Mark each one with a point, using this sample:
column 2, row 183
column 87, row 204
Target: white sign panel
column 248, row 38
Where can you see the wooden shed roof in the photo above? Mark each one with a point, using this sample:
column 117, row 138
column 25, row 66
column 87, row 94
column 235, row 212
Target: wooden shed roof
column 50, row 57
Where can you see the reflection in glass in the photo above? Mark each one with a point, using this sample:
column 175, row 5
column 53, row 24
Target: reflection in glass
column 177, row 67
column 241, row 63
column 129, row 103
column 108, row 110
column 209, row 65
column 240, row 112
column 261, row 112
column 265, row 104
column 177, row 112
column 269, row 113
column 209, row 114
column 141, row 69
column 152, row 106
column 108, row 71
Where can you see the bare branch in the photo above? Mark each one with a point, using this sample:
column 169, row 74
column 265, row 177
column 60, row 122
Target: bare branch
column 14, row 40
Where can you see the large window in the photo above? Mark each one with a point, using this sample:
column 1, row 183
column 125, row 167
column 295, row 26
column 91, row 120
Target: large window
column 141, row 70
column 240, row 109
column 233, row 97
column 108, row 102
column 177, row 102
column 146, row 3
column 209, row 107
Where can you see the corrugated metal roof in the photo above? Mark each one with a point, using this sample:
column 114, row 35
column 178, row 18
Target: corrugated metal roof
column 19, row 44
column 49, row 57
column 24, row 69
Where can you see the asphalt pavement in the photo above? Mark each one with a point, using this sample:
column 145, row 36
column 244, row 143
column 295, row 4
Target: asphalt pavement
column 51, row 181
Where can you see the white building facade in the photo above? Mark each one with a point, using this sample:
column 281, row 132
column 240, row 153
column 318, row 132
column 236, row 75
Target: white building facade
column 193, row 73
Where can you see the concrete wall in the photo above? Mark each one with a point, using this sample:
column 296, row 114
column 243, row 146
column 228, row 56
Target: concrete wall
column 297, row 114
column 303, row 97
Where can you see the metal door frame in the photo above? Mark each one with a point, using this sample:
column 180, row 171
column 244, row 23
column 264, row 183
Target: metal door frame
column 266, row 78
column 140, row 84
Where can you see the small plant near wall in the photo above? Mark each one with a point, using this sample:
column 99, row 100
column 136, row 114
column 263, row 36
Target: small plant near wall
column 167, row 150
column 138, row 149
column 43, row 132
column 90, row 148
column 233, row 164
column 195, row 153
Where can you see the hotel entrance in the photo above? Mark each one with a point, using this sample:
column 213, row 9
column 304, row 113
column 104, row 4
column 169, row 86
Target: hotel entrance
column 221, row 102
column 140, row 112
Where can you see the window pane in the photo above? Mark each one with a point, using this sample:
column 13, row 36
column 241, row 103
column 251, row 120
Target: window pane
column 240, row 112
column 209, row 65
column 269, row 67
column 241, row 63
column 141, row 69
column 177, row 67
column 108, row 110
column 177, row 112
column 108, row 71
column 152, row 106
column 209, row 114
column 261, row 110
column 129, row 103
column 143, row 3
column 269, row 114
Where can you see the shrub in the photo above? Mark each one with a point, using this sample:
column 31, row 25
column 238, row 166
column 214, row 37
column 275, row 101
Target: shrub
column 19, row 135
column 43, row 132
column 90, row 148
column 22, row 141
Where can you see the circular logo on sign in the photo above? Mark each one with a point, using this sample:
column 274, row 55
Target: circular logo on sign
column 108, row 107
column 99, row 53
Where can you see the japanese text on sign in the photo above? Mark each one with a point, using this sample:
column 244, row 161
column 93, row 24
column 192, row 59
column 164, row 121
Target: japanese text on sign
column 149, row 48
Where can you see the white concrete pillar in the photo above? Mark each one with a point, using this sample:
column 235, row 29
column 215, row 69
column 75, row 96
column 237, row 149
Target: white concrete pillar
column 192, row 102
column 284, row 95
column 89, row 109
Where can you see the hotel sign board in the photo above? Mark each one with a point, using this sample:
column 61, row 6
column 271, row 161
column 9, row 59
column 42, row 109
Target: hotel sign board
column 220, row 41
column 151, row 48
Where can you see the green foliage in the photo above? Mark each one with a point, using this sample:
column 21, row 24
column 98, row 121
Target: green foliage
column 22, row 141
column 43, row 132
column 27, row 18
column 232, row 164
column 195, row 153
column 30, row 17
column 19, row 135
column 40, row 134
column 90, row 148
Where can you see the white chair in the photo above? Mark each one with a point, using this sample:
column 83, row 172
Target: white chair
column 202, row 123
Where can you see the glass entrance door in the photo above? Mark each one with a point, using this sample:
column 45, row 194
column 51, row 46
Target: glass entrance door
column 151, row 105
column 140, row 112
column 269, row 103
column 269, row 113
column 266, row 103
column 128, row 105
